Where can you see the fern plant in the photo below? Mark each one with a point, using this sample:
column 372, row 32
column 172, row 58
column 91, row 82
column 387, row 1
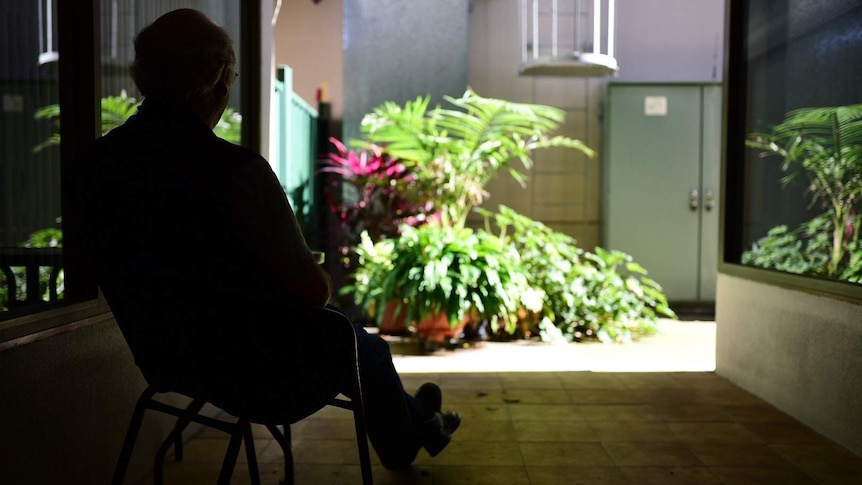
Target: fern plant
column 824, row 145
column 456, row 151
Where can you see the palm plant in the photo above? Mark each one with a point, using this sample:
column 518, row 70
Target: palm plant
column 824, row 144
column 456, row 152
column 115, row 110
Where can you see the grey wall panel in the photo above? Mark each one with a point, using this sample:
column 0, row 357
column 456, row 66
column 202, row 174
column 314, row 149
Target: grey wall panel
column 396, row 50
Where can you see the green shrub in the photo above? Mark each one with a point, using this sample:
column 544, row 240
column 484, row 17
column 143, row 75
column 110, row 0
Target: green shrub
column 605, row 294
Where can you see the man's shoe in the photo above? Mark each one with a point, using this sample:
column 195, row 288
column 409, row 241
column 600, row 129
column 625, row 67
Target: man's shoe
column 437, row 431
column 431, row 398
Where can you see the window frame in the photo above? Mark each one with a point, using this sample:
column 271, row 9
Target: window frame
column 732, row 170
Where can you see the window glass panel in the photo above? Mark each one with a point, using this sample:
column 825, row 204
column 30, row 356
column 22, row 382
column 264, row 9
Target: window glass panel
column 120, row 22
column 802, row 169
column 31, row 275
column 31, row 255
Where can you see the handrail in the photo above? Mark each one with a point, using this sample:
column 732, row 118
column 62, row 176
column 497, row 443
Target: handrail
column 31, row 259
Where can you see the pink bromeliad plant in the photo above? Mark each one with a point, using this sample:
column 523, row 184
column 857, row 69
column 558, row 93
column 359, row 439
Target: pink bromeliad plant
column 376, row 193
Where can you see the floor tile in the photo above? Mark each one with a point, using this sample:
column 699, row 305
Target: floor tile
column 535, row 396
column 486, row 430
column 616, row 412
column 651, row 380
column 670, row 397
column 758, row 413
column 333, row 429
column 670, row 476
column 785, row 433
column 633, row 431
column 482, row 412
column 553, row 412
column 479, row 475
column 738, row 455
column 554, row 431
column 713, row 433
column 213, row 449
column 590, row 380
column 604, row 396
column 531, row 381
column 564, row 453
column 481, row 382
column 827, row 463
column 325, row 451
column 462, row 452
column 746, row 476
column 651, row 454
column 688, row 412
column 453, row 398
column 728, row 397
column 352, row 475
column 575, row 475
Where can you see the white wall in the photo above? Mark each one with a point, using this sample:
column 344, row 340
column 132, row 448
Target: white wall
column 670, row 40
column 308, row 38
column 800, row 352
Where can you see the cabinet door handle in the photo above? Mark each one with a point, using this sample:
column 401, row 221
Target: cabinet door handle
column 693, row 200
column 709, row 203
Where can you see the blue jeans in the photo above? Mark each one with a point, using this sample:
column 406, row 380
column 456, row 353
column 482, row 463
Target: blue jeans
column 393, row 417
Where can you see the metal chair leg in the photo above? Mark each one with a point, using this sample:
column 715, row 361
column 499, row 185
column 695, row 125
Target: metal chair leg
column 131, row 437
column 362, row 442
column 231, row 455
column 283, row 440
column 175, row 438
column 253, row 470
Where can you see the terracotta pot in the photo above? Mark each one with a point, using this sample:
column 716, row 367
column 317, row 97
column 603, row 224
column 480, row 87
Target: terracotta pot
column 437, row 329
column 389, row 324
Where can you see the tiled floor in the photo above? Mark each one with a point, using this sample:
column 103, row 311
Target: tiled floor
column 563, row 427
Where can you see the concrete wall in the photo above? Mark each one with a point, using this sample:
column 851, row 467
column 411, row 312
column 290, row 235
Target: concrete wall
column 308, row 38
column 800, row 352
column 66, row 402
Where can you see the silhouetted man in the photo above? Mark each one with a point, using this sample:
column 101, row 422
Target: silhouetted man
column 201, row 231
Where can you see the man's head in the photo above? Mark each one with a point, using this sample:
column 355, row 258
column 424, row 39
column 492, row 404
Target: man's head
column 185, row 57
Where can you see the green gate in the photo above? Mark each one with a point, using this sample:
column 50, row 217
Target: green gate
column 295, row 137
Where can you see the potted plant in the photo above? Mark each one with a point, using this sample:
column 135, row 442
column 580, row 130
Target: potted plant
column 439, row 276
column 451, row 155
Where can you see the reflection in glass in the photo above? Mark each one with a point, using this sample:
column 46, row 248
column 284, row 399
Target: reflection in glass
column 120, row 22
column 31, row 239
column 31, row 243
column 802, row 202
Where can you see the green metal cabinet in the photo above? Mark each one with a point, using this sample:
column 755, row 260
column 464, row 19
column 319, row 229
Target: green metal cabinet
column 661, row 176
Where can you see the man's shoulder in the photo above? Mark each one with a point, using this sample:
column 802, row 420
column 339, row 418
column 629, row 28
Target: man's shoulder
column 234, row 153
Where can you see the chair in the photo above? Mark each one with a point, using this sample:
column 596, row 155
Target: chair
column 325, row 326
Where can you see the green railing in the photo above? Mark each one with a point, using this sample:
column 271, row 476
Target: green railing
column 295, row 137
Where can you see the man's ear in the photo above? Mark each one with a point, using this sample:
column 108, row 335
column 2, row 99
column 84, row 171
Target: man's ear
column 222, row 87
